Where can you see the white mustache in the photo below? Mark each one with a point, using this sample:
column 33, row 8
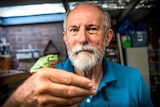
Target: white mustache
column 80, row 48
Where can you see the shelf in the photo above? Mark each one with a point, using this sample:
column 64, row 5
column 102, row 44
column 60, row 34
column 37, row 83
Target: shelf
column 158, row 74
column 155, row 62
column 154, row 69
column 154, row 86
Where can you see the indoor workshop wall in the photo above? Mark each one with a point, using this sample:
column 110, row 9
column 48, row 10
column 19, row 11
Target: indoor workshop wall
column 1, row 31
column 35, row 36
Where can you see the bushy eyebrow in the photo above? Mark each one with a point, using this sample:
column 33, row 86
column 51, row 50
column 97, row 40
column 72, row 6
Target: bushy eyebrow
column 87, row 26
column 90, row 25
column 73, row 26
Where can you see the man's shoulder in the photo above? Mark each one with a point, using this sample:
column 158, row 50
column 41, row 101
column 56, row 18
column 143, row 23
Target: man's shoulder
column 126, row 73
column 125, row 69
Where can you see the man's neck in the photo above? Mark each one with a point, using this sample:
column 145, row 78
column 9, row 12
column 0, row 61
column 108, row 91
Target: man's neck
column 94, row 74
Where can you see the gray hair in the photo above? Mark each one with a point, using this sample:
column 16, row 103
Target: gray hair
column 106, row 16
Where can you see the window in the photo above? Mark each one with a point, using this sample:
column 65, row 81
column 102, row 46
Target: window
column 28, row 14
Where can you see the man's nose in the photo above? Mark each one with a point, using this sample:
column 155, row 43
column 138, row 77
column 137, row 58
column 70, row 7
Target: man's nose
column 82, row 37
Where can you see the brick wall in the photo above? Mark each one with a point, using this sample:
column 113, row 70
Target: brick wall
column 35, row 36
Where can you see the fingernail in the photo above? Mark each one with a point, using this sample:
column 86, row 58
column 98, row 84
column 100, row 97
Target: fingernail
column 90, row 85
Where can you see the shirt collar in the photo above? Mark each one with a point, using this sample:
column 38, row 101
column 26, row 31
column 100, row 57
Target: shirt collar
column 108, row 74
column 68, row 66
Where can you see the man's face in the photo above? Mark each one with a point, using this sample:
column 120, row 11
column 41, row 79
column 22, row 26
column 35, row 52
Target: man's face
column 85, row 37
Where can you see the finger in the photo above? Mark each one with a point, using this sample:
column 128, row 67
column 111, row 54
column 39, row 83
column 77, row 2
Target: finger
column 63, row 77
column 66, row 91
column 47, row 100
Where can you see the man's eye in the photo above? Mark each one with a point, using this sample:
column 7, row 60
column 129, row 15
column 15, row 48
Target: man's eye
column 92, row 30
column 73, row 30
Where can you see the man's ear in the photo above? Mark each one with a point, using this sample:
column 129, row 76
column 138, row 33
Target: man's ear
column 64, row 37
column 109, row 36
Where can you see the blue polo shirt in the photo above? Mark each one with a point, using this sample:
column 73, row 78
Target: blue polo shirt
column 121, row 86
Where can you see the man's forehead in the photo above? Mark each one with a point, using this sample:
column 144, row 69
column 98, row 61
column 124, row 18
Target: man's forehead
column 85, row 21
column 84, row 9
column 85, row 6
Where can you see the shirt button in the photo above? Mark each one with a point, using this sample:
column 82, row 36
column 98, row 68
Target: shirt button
column 88, row 100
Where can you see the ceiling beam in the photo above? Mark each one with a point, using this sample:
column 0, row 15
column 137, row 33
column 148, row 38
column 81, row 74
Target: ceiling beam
column 66, row 4
column 127, row 10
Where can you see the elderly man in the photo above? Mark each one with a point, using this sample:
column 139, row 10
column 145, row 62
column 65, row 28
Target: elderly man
column 86, row 78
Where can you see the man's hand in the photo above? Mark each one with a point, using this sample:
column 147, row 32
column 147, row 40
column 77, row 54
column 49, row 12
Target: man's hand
column 52, row 87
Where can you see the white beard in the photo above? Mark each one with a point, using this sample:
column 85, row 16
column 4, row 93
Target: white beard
column 85, row 62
